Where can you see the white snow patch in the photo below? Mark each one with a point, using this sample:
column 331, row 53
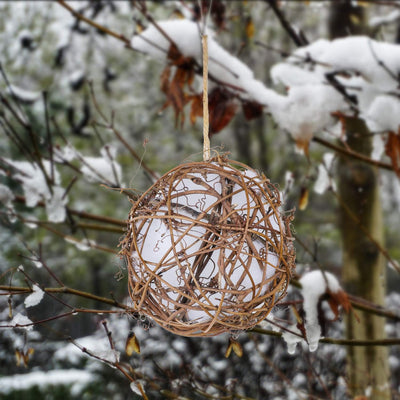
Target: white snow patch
column 324, row 181
column 37, row 263
column 97, row 346
column 378, row 147
column 84, row 245
column 366, row 79
column 6, row 196
column 109, row 355
column 74, row 377
column 103, row 168
column 67, row 153
column 376, row 21
column 26, row 96
column 37, row 189
column 76, row 76
column 136, row 385
column 55, row 205
column 35, row 297
column 21, row 321
column 384, row 114
column 291, row 339
column 314, row 285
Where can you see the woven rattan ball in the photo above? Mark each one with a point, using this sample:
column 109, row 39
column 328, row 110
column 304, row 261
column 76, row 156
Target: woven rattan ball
column 207, row 249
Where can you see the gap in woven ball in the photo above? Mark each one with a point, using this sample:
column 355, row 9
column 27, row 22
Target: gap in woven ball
column 208, row 249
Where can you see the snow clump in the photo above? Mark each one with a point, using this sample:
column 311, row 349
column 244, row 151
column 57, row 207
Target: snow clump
column 36, row 187
column 314, row 284
column 35, row 297
column 322, row 78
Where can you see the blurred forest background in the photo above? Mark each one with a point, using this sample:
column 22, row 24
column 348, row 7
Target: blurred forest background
column 88, row 110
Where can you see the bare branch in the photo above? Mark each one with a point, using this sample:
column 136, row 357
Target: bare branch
column 298, row 39
column 352, row 154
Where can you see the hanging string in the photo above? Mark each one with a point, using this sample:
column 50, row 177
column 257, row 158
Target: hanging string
column 206, row 138
column 204, row 43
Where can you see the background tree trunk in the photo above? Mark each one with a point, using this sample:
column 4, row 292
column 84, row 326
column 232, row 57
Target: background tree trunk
column 364, row 266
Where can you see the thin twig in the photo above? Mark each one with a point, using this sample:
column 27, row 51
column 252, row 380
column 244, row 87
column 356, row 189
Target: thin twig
column 25, row 290
column 82, row 214
column 93, row 23
column 68, row 290
column 341, row 342
column 297, row 39
column 352, row 154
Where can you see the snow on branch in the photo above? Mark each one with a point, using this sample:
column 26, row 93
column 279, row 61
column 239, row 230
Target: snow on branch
column 37, row 188
column 314, row 286
column 347, row 75
column 365, row 69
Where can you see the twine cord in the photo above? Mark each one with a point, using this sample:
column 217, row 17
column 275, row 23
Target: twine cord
column 206, row 138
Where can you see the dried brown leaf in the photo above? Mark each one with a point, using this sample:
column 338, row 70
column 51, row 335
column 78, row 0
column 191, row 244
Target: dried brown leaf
column 235, row 346
column 250, row 29
column 196, row 109
column 222, row 109
column 303, row 200
column 303, row 146
column 132, row 344
column 339, row 299
column 252, row 110
column 392, row 149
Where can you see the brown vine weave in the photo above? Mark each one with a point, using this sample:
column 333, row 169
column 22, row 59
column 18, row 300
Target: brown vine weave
column 207, row 249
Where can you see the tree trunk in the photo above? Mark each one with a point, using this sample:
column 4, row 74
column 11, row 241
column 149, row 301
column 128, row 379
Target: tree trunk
column 364, row 267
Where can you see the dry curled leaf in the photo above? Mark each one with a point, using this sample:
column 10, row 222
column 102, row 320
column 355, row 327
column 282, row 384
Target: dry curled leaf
column 132, row 344
column 222, row 109
column 252, row 110
column 338, row 299
column 175, row 87
column 302, row 146
column 22, row 357
column 250, row 27
column 392, row 150
column 235, row 346
column 303, row 200
column 196, row 109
